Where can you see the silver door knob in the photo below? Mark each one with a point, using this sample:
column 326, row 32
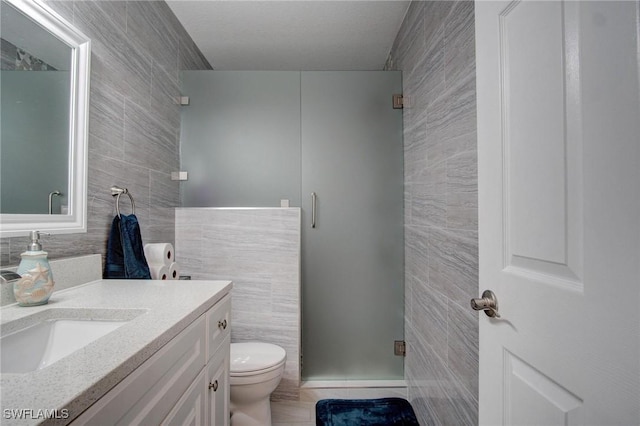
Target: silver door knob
column 488, row 303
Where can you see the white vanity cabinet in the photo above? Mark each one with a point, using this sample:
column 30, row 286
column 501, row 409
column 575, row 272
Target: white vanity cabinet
column 185, row 382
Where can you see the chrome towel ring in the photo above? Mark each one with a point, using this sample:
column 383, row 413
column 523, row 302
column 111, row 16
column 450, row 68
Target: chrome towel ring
column 116, row 191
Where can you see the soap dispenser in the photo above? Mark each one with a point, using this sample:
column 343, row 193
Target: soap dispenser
column 36, row 283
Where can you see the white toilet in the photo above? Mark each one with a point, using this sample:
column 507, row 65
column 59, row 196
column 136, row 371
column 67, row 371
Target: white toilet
column 255, row 371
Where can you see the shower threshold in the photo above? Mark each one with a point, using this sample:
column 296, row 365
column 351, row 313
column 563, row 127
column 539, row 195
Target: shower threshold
column 331, row 384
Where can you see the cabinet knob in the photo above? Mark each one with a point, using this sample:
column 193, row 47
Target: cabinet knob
column 222, row 324
column 213, row 385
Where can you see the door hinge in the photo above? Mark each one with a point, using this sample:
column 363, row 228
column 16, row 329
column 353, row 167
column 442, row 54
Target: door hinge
column 398, row 101
column 179, row 175
column 400, row 348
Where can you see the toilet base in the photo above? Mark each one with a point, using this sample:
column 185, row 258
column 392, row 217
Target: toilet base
column 255, row 414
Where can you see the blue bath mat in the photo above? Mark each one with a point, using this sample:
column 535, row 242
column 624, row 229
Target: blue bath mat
column 361, row 412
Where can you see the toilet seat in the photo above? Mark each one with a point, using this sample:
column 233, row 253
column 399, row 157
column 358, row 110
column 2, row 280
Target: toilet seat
column 253, row 358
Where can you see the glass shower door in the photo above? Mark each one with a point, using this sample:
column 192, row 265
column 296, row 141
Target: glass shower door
column 352, row 237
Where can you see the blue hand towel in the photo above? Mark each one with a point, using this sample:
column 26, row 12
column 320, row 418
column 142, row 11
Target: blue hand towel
column 114, row 262
column 125, row 251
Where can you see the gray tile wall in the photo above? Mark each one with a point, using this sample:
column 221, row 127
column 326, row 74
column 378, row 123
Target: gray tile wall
column 138, row 49
column 259, row 250
column 435, row 49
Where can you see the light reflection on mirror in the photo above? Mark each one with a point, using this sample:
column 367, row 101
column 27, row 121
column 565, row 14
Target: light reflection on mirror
column 35, row 81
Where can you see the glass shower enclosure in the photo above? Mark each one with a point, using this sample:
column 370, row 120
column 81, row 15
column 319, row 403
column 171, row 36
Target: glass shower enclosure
column 352, row 254
column 330, row 142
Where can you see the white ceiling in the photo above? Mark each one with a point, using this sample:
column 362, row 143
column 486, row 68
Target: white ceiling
column 292, row 35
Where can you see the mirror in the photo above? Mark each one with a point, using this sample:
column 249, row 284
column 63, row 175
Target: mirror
column 44, row 78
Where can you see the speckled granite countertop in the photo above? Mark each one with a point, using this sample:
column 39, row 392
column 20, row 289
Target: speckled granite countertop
column 72, row 384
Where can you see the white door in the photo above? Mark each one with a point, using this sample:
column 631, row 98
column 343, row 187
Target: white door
column 559, row 193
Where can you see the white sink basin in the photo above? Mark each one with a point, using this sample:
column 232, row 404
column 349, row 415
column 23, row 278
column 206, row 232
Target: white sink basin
column 53, row 334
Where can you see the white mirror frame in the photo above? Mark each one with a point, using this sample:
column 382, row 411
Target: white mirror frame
column 12, row 225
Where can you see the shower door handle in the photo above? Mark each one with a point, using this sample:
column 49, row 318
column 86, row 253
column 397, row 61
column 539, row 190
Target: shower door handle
column 314, row 199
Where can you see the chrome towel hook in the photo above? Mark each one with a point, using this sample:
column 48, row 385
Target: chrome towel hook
column 116, row 191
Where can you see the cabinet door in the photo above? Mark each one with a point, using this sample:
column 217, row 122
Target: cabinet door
column 218, row 384
column 192, row 407
column 147, row 395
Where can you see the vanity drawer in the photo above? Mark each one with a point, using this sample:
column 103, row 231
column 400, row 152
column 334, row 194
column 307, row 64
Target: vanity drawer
column 218, row 324
column 148, row 394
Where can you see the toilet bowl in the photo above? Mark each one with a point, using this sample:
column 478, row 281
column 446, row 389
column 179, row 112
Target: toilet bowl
column 255, row 371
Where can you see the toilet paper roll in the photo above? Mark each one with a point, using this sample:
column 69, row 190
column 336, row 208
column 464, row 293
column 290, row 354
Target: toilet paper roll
column 174, row 271
column 159, row 253
column 159, row 271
